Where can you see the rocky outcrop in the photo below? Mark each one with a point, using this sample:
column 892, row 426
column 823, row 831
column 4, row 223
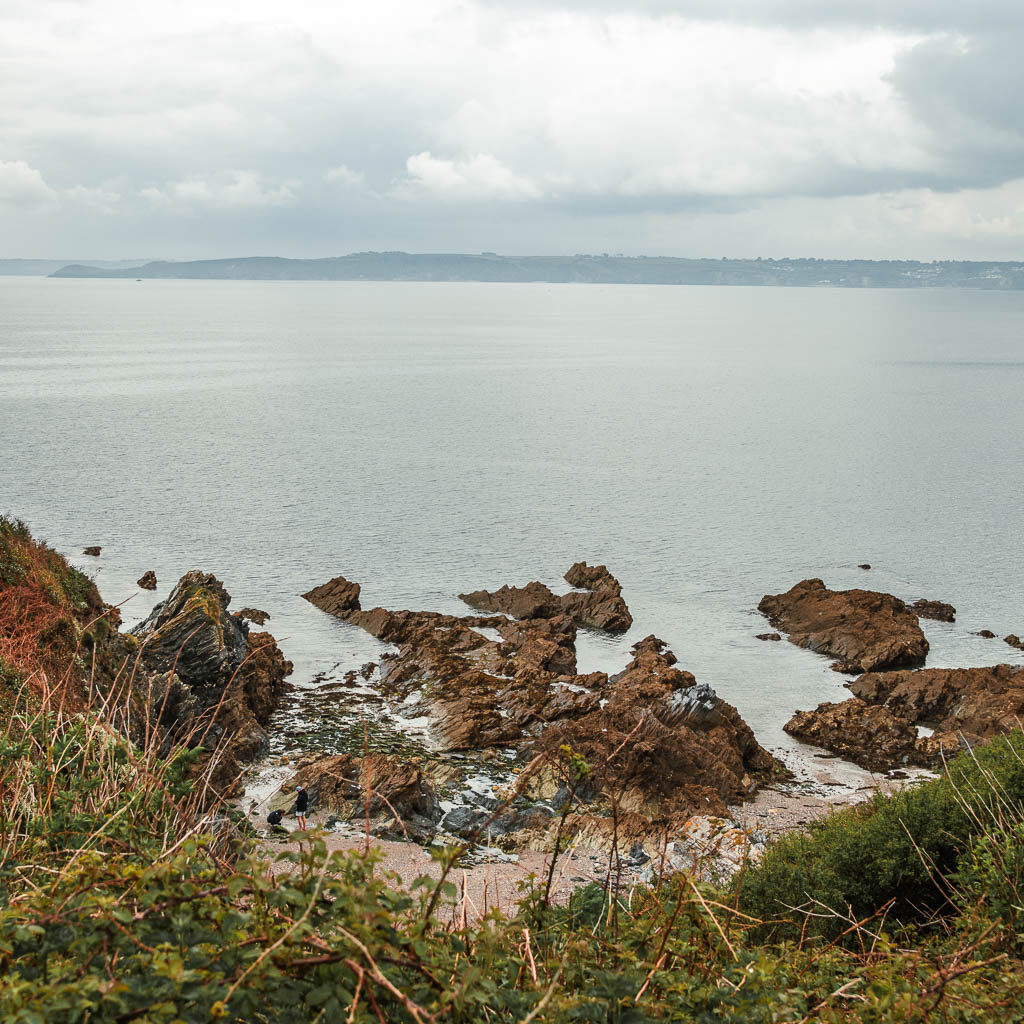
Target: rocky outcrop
column 147, row 580
column 256, row 615
column 938, row 610
column 337, row 597
column 986, row 633
column 1014, row 641
column 862, row 629
column 960, row 707
column 211, row 683
column 598, row 605
column 869, row 735
column 94, row 550
column 659, row 743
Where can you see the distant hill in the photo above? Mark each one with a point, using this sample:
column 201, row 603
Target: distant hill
column 46, row 268
column 603, row 269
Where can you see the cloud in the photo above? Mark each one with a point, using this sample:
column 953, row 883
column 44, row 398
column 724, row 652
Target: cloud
column 345, row 177
column 475, row 178
column 23, row 186
column 226, row 191
column 425, row 123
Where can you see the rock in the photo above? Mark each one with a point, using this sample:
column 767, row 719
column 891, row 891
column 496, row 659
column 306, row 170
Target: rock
column 256, row 615
column 661, row 744
column 768, row 636
column 934, row 610
column 463, row 820
column 986, row 633
column 864, row 565
column 211, row 683
column 862, row 629
column 599, row 605
column 592, row 577
column 350, row 787
column 1014, row 641
column 975, row 702
column 147, row 580
column 337, row 597
column 869, row 735
column 94, row 551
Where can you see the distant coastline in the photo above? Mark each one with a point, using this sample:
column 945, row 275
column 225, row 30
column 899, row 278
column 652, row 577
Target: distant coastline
column 580, row 268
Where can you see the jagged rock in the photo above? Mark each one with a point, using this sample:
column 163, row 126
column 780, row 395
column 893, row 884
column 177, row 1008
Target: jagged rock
column 768, row 636
column 1014, row 641
column 337, row 597
column 938, row 610
column 975, row 702
column 986, row 633
column 599, row 606
column 94, row 550
column 663, row 744
column 147, row 580
column 256, row 615
column 864, row 565
column 867, row 734
column 592, row 577
column 212, row 683
column 862, row 629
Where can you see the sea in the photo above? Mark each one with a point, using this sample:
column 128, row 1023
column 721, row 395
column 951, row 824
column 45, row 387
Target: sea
column 710, row 445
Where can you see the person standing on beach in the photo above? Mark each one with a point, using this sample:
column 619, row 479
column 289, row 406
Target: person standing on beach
column 301, row 804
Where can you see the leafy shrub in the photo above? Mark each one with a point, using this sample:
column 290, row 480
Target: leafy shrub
column 893, row 848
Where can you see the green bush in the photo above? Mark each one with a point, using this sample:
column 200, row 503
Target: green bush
column 901, row 848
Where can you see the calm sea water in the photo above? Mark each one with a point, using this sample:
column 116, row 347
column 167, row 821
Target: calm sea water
column 710, row 445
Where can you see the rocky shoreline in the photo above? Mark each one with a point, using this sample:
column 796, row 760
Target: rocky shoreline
column 478, row 729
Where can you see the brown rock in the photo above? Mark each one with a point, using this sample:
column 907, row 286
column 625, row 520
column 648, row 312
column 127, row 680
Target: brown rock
column 351, row 787
column 986, row 633
column 337, row 597
column 863, row 630
column 768, row 636
column 94, row 550
column 599, row 605
column 934, row 610
column 147, row 580
column 256, row 615
column 592, row 577
column 864, row 565
column 1014, row 641
column 868, row 734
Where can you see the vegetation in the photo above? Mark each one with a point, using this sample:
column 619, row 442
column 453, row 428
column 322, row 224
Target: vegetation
column 123, row 898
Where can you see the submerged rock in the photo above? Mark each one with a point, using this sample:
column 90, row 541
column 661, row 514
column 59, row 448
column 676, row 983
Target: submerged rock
column 1014, row 641
column 94, row 550
column 768, row 636
column 986, row 633
column 938, row 610
column 147, row 580
column 862, row 629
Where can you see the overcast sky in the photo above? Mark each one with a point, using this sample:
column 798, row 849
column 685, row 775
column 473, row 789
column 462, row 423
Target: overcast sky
column 205, row 128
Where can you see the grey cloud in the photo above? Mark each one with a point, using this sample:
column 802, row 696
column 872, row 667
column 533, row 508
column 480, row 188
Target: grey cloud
column 920, row 15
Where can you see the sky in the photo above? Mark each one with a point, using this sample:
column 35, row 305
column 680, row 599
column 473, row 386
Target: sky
column 192, row 129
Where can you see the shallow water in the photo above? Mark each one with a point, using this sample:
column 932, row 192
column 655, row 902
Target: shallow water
column 710, row 445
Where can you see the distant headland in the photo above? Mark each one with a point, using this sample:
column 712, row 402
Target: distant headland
column 580, row 268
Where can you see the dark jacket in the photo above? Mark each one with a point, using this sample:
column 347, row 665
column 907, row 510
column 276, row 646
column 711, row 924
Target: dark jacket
column 301, row 802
